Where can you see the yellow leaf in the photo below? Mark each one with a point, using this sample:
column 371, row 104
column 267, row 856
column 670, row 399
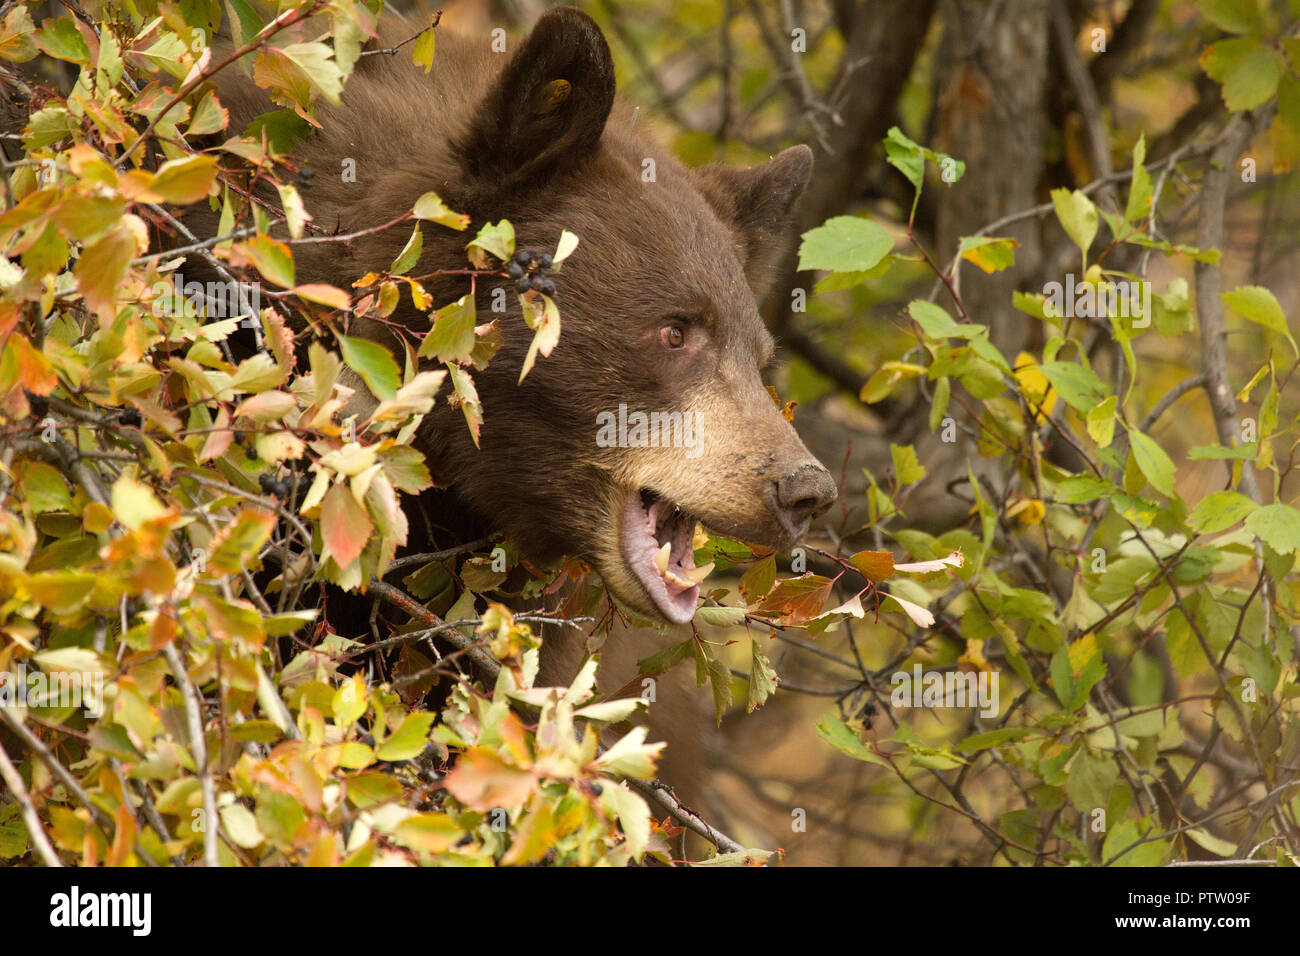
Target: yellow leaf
column 134, row 503
column 1034, row 384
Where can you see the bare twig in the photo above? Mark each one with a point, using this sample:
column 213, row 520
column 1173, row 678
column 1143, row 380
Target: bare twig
column 199, row 750
column 14, row 780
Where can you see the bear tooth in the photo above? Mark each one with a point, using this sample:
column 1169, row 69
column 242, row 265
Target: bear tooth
column 661, row 557
column 672, row 577
column 697, row 575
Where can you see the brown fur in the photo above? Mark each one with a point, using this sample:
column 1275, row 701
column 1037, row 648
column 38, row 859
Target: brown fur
column 693, row 244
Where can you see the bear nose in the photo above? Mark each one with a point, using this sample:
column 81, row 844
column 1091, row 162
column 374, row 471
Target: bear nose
column 802, row 495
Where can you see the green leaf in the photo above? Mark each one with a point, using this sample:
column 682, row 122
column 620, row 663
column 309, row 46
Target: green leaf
column 422, row 52
column 1285, row 132
column 452, row 337
column 497, row 239
column 1078, row 217
column 719, row 676
column 909, row 158
column 1219, row 59
column 1277, row 525
column 992, row 738
column 375, row 365
column 844, row 244
column 1090, row 779
column 1153, row 461
column 1122, row 842
column 101, row 267
column 187, row 180
column 13, row 834
column 410, row 254
column 665, row 660
column 989, row 253
column 885, row 378
column 283, row 129
column 543, row 317
column 209, row 117
column 982, row 346
column 1101, row 422
column 1232, row 16
column 270, row 257
column 1218, row 511
column 907, row 467
column 1140, row 194
column 719, row 615
column 1248, row 70
column 762, row 678
column 467, row 394
column 1078, row 385
column 1253, row 79
column 43, row 488
column 844, row 739
column 1081, row 489
column 431, row 207
column 303, row 72
column 1246, row 452
column 48, row 125
column 1260, row 306
column 62, row 40
column 934, row 320
column 408, row 740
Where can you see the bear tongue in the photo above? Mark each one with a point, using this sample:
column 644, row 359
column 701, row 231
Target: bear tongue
column 657, row 547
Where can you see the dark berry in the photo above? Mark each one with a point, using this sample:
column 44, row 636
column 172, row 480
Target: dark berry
column 129, row 417
column 522, row 257
column 267, row 483
column 515, row 270
column 251, row 452
column 282, row 489
column 597, row 789
column 546, row 261
column 544, row 286
column 38, row 404
column 524, row 284
column 304, row 177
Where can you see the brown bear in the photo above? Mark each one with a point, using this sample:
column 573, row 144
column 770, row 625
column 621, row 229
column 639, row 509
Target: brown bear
column 657, row 303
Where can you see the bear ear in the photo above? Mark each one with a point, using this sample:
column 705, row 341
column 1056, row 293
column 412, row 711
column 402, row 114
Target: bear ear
column 548, row 106
column 757, row 203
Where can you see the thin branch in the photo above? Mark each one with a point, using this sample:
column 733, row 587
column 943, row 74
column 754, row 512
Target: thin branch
column 1174, row 394
column 392, row 50
column 14, row 780
column 199, row 751
column 1209, row 235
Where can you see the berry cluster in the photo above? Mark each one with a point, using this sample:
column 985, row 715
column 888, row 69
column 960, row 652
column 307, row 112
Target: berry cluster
column 270, row 485
column 529, row 267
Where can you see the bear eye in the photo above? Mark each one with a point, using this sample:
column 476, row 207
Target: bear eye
column 672, row 335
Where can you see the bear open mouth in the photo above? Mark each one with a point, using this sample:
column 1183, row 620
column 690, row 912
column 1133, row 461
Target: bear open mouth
column 658, row 547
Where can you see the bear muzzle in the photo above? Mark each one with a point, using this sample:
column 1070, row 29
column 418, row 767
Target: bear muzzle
column 799, row 496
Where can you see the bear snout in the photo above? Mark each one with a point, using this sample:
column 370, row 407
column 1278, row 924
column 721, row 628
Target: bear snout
column 800, row 495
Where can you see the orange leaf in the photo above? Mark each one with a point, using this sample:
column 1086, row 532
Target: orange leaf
column 345, row 526
column 481, row 780
column 874, row 565
column 796, row 600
